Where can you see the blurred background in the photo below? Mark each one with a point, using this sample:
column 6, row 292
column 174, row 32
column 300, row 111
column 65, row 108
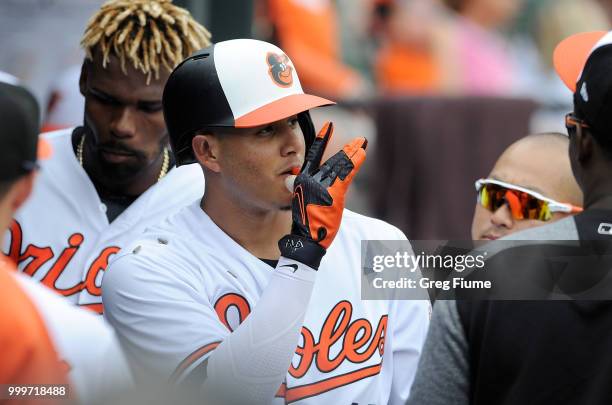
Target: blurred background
column 439, row 87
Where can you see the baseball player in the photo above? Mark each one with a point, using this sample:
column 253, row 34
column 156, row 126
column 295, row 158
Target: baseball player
column 113, row 176
column 82, row 343
column 27, row 353
column 212, row 296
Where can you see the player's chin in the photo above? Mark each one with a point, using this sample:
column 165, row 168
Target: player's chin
column 284, row 200
column 121, row 171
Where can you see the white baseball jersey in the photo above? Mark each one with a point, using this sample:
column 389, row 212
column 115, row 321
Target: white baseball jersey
column 62, row 236
column 186, row 285
column 88, row 346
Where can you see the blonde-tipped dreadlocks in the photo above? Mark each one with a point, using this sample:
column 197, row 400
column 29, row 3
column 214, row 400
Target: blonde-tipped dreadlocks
column 147, row 33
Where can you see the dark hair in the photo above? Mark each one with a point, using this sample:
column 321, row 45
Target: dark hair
column 150, row 35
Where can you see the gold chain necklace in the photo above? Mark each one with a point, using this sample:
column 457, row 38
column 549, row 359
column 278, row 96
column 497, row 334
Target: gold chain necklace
column 162, row 173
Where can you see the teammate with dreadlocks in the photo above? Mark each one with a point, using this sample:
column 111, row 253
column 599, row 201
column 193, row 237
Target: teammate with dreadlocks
column 115, row 175
column 146, row 33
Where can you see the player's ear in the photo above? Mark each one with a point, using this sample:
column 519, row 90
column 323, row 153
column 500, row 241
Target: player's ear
column 585, row 144
column 206, row 151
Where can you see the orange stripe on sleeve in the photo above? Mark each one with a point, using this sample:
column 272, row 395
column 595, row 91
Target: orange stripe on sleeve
column 192, row 358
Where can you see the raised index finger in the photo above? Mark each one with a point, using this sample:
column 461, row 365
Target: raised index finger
column 316, row 151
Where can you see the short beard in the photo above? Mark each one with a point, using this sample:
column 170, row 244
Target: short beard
column 120, row 173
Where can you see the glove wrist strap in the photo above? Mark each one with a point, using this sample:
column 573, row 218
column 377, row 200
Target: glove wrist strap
column 301, row 250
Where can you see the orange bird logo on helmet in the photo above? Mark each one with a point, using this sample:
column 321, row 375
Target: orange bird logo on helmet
column 280, row 71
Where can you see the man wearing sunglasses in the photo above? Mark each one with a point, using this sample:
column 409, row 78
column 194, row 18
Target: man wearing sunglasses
column 519, row 352
column 531, row 184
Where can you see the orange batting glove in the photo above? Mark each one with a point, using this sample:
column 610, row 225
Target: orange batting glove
column 318, row 198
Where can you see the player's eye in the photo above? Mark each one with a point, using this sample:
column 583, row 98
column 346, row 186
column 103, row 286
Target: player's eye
column 266, row 131
column 103, row 98
column 150, row 107
column 293, row 122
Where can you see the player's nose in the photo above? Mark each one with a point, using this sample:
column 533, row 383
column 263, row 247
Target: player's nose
column 123, row 124
column 502, row 217
column 292, row 140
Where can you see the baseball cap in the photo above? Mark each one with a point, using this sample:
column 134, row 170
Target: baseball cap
column 20, row 146
column 239, row 83
column 584, row 63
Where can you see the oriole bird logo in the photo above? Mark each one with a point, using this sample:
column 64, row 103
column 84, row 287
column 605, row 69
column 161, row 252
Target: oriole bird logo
column 280, row 70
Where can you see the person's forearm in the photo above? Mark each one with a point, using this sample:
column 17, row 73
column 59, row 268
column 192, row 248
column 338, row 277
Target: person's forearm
column 250, row 365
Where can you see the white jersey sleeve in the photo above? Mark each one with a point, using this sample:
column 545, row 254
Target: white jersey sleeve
column 97, row 366
column 250, row 365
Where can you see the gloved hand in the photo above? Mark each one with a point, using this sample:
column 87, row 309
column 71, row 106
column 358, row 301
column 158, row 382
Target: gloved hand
column 318, row 198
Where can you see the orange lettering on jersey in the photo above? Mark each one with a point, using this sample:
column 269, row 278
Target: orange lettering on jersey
column 306, row 354
column 228, row 301
column 357, row 339
column 98, row 308
column 334, row 328
column 300, row 392
column 16, row 241
column 337, row 326
column 96, row 267
column 38, row 256
column 74, row 242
